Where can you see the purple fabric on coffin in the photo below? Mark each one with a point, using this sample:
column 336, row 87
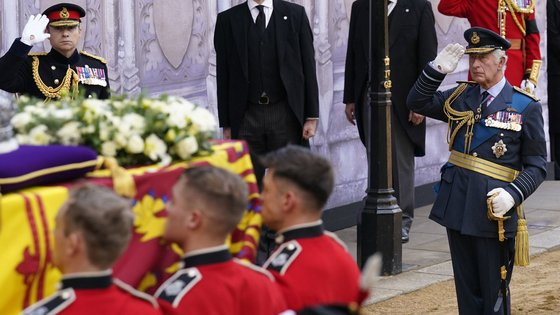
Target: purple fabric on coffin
column 40, row 165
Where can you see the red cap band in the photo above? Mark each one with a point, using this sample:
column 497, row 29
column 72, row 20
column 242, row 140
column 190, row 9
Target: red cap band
column 64, row 14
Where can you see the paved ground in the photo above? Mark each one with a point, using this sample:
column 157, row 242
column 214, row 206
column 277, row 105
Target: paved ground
column 426, row 257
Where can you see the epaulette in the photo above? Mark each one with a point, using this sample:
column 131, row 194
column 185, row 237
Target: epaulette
column 283, row 257
column 37, row 53
column 178, row 285
column 141, row 295
column 53, row 304
column 467, row 82
column 254, row 268
column 531, row 96
column 336, row 239
column 103, row 60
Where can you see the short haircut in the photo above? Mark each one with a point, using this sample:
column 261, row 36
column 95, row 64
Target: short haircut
column 499, row 54
column 105, row 220
column 222, row 195
column 310, row 172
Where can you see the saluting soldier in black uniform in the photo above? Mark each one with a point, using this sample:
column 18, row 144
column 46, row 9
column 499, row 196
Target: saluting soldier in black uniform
column 498, row 149
column 62, row 70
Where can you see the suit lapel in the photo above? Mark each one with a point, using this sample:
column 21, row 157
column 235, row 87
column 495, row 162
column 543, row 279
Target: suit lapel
column 501, row 101
column 240, row 26
column 395, row 26
column 282, row 23
column 472, row 99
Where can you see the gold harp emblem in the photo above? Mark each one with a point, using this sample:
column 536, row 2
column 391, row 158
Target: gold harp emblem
column 64, row 13
column 475, row 39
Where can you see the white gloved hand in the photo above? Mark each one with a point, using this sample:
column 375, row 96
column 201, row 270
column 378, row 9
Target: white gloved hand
column 528, row 86
column 34, row 30
column 370, row 272
column 448, row 59
column 502, row 203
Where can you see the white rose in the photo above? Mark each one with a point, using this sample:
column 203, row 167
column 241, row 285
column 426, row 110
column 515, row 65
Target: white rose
column 69, row 134
column 20, row 120
column 186, row 147
column 62, row 114
column 120, row 140
column 154, row 147
column 39, row 136
column 135, row 121
column 95, row 106
column 135, row 144
column 177, row 120
column 203, row 120
column 109, row 148
column 23, row 139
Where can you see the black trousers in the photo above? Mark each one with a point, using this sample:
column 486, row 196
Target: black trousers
column 268, row 127
column 476, row 267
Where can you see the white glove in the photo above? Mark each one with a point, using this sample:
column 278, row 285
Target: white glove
column 34, row 30
column 448, row 59
column 502, row 203
column 370, row 272
column 528, row 86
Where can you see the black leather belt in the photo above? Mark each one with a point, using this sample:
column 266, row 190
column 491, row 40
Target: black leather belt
column 264, row 100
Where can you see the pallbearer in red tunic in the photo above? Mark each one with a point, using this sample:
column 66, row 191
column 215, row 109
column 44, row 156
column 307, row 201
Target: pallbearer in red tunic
column 207, row 204
column 513, row 20
column 92, row 229
column 311, row 266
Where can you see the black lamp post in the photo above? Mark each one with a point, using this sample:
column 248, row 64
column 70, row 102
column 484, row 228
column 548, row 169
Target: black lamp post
column 379, row 226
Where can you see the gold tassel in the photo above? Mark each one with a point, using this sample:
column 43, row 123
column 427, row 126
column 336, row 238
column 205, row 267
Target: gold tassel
column 521, row 239
column 123, row 182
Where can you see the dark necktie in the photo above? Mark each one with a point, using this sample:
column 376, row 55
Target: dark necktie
column 484, row 98
column 261, row 20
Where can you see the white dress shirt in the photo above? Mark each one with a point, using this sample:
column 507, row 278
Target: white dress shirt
column 494, row 90
column 390, row 6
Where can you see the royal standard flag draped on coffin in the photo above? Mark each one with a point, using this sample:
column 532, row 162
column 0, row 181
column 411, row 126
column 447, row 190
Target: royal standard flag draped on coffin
column 27, row 221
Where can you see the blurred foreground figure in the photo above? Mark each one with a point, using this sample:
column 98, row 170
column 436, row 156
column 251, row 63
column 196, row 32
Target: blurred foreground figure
column 92, row 229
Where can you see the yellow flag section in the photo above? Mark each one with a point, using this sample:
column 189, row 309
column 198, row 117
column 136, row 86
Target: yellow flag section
column 27, row 222
column 26, row 271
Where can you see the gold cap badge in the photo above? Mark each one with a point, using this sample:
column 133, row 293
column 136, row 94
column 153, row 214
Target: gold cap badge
column 64, row 13
column 475, row 39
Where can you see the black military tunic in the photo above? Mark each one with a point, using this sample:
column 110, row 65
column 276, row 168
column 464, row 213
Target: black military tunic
column 45, row 75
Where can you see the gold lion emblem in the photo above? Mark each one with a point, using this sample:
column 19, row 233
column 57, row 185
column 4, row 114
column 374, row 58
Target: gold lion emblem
column 64, row 13
column 475, row 39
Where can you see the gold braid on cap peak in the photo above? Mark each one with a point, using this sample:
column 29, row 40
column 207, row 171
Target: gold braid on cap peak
column 459, row 119
column 70, row 79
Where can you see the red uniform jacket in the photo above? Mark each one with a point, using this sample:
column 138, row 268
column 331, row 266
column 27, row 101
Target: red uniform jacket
column 214, row 283
column 314, row 268
column 484, row 13
column 95, row 294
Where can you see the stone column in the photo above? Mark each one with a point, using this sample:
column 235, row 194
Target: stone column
column 130, row 80
column 323, row 60
column 10, row 27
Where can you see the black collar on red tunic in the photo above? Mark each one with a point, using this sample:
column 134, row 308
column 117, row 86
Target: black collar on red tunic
column 58, row 57
column 307, row 231
column 213, row 257
column 98, row 280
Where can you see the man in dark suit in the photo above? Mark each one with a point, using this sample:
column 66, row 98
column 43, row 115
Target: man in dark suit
column 553, row 55
column 267, row 86
column 497, row 160
column 413, row 44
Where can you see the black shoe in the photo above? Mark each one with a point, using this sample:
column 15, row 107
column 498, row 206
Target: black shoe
column 404, row 236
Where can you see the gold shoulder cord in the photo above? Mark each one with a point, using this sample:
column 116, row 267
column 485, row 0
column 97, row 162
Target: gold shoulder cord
column 70, row 79
column 459, row 119
column 513, row 8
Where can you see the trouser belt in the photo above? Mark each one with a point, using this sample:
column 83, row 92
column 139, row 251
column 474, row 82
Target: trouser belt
column 482, row 166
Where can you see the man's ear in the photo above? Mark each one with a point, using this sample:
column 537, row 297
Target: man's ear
column 194, row 219
column 290, row 201
column 75, row 244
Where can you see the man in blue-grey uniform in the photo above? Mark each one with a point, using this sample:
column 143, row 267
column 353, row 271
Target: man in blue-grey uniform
column 498, row 154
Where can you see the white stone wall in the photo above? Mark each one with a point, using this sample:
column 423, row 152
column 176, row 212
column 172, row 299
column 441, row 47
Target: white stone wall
column 165, row 46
